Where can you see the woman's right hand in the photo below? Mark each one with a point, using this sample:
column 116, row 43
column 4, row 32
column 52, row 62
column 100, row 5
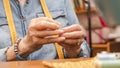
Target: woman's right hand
column 40, row 32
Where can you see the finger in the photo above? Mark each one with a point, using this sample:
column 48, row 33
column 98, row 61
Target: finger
column 42, row 34
column 43, row 25
column 73, row 35
column 71, row 28
column 73, row 41
column 42, row 41
column 49, row 19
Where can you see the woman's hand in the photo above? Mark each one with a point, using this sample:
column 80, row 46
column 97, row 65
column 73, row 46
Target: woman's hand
column 40, row 32
column 74, row 37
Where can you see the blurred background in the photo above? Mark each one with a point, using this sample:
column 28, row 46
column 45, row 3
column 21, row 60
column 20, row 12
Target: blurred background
column 105, row 23
column 110, row 9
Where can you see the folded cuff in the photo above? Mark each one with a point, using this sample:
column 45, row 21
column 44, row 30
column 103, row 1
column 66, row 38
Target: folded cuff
column 3, row 54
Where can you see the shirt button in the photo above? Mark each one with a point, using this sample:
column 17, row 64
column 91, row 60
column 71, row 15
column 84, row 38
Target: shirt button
column 24, row 19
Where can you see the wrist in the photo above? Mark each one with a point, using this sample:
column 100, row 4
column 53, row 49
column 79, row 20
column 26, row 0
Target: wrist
column 16, row 51
column 72, row 52
column 23, row 49
column 72, row 48
column 27, row 46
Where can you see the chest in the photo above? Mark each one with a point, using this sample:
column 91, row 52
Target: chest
column 29, row 11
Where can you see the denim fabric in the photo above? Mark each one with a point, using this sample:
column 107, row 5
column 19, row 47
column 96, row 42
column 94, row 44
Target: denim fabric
column 61, row 10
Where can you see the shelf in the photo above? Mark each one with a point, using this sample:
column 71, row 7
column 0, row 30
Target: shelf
column 80, row 11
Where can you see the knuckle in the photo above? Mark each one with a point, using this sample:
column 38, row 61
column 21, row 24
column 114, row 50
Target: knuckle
column 35, row 41
column 76, row 27
column 42, row 23
column 82, row 34
column 33, row 20
column 30, row 27
column 68, row 42
column 49, row 40
column 81, row 40
column 31, row 34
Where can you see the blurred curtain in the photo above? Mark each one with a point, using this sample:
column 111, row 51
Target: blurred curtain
column 110, row 10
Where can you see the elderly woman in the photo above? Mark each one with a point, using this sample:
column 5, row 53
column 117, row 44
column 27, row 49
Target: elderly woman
column 35, row 31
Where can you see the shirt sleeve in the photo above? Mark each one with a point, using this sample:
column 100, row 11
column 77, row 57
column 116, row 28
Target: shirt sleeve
column 84, row 50
column 3, row 54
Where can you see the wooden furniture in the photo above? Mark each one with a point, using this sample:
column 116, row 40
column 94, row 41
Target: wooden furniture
column 81, row 11
column 112, row 46
column 87, row 63
column 97, row 48
column 81, row 8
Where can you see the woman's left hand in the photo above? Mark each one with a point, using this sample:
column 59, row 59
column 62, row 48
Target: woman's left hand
column 74, row 35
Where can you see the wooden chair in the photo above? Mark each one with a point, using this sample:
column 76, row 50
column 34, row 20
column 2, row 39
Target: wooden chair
column 97, row 48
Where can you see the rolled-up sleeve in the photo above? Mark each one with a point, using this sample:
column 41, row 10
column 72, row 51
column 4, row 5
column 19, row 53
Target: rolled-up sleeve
column 3, row 54
column 85, row 50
